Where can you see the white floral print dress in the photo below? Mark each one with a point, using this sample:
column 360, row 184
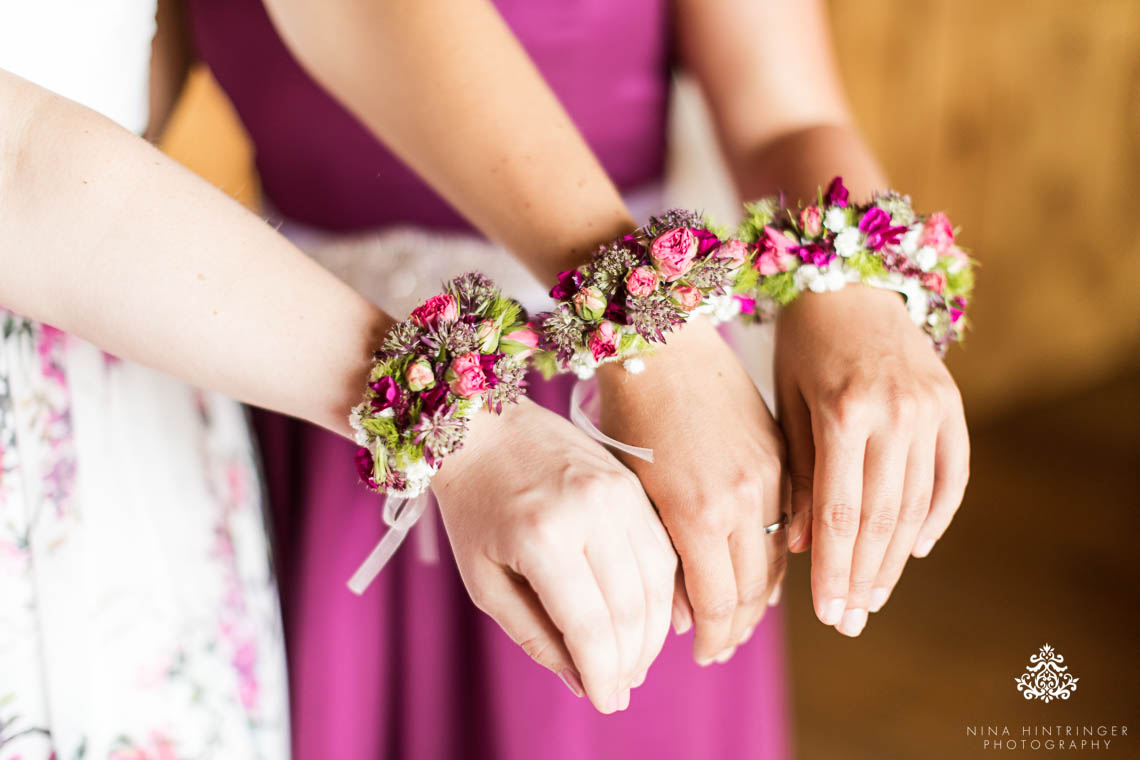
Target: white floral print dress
column 138, row 612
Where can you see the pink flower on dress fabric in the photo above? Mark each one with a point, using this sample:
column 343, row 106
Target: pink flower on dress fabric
column 686, row 296
column 934, row 281
column 465, row 376
column 641, row 281
column 673, row 252
column 812, row 221
column 603, row 341
column 435, row 310
column 937, row 233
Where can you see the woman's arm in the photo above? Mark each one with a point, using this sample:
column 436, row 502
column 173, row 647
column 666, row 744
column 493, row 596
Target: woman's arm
column 449, row 89
column 104, row 237
column 877, row 441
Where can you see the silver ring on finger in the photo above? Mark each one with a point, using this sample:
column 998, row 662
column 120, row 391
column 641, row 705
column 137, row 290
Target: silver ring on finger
column 778, row 525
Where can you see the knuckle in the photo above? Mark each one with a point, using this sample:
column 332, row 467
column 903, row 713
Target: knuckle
column 539, row 648
column 902, row 406
column 913, row 512
column 839, row 519
column 586, row 487
column 629, row 614
column 860, row 587
column 753, row 593
column 588, row 632
column 847, row 410
column 538, row 532
column 881, row 523
column 480, row 598
column 716, row 610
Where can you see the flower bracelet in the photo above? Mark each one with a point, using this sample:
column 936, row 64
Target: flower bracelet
column 636, row 289
column 882, row 244
column 460, row 351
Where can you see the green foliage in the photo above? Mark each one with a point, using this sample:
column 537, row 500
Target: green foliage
column 383, row 428
column 746, row 279
column 867, row 265
column 545, row 362
column 504, row 310
column 632, row 343
column 781, row 287
column 757, row 215
column 960, row 283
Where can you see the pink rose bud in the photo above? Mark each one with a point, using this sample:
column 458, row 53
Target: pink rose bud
column 934, row 281
column 465, row 376
column 812, row 221
column 435, row 310
column 488, row 336
column 733, row 251
column 673, row 252
column 686, row 296
column 590, row 303
column 641, row 281
column 520, row 342
column 603, row 341
column 419, row 375
column 937, row 233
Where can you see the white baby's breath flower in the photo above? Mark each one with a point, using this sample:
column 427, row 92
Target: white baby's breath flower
column 834, row 279
column 361, row 437
column 909, row 242
column 806, row 277
column 835, row 219
column 926, row 258
column 722, row 308
column 356, row 416
column 848, row 242
column 634, row 365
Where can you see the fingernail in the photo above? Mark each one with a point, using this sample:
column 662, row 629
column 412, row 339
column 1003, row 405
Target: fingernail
column 924, row 548
column 853, row 622
column 774, row 599
column 725, row 655
column 830, row 614
column 878, row 598
column 624, row 703
column 744, row 637
column 572, row 681
column 682, row 620
column 704, row 662
column 613, row 702
column 639, row 678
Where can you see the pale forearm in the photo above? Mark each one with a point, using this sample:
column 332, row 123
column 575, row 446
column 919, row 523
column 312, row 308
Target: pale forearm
column 449, row 89
column 801, row 161
column 104, row 237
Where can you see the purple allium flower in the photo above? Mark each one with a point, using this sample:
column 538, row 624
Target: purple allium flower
column 653, row 316
column 512, row 380
column 388, row 393
column 474, row 292
column 568, row 284
column 562, row 331
column 403, row 338
column 673, row 218
column 440, row 432
column 876, row 225
column 836, row 194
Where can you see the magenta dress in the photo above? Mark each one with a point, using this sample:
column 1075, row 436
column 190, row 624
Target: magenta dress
column 412, row 669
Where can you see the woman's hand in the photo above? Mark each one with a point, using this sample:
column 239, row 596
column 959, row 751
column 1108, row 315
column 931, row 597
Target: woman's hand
column 878, row 449
column 716, row 478
column 557, row 542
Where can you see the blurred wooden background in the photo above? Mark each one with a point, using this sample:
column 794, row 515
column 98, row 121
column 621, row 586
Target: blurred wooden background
column 1021, row 118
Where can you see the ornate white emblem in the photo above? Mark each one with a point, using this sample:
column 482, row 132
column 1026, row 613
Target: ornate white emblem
column 1046, row 678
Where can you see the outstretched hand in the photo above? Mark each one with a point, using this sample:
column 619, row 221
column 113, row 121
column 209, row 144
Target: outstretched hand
column 878, row 448
column 557, row 542
column 716, row 478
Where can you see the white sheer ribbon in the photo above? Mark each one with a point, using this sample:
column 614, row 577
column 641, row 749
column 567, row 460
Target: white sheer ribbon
column 399, row 515
column 583, row 394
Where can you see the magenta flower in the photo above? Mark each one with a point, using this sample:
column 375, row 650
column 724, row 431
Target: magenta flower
column 364, row 465
column 814, row 253
column 433, row 398
column 437, row 309
column 747, row 304
column 876, row 225
column 706, row 242
column 836, row 194
column 389, row 393
column 603, row 341
column 568, row 284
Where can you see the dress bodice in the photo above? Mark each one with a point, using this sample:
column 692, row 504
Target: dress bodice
column 606, row 60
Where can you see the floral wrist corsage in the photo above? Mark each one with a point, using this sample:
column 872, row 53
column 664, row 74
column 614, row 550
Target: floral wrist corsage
column 460, row 351
column 882, row 244
column 635, row 290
